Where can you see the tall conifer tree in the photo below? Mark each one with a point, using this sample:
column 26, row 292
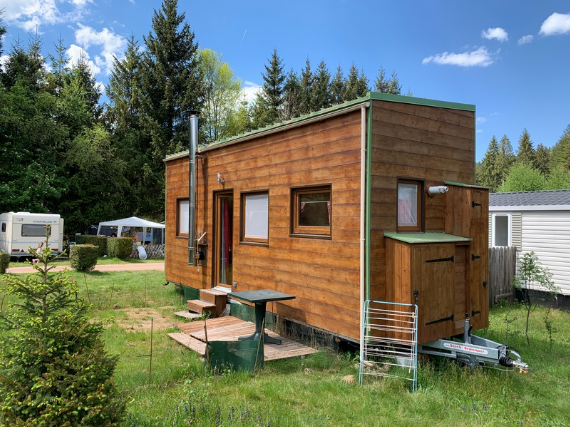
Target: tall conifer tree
column 291, row 96
column 505, row 158
column 306, row 88
column 321, row 93
column 490, row 176
column 267, row 109
column 525, row 152
column 337, row 87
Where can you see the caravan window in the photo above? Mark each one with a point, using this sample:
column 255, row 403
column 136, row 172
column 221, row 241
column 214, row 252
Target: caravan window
column 34, row 230
column 3, row 227
column 501, row 230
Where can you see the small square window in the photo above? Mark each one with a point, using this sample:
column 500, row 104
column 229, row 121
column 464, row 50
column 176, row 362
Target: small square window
column 311, row 211
column 255, row 217
column 3, row 227
column 182, row 217
column 409, row 205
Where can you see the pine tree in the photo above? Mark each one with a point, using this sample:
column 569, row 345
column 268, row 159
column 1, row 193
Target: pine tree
column 25, row 66
column 542, row 156
column 489, row 175
column 525, row 152
column 560, row 154
column 267, row 109
column 337, row 87
column 305, row 103
column 384, row 85
column 54, row 370
column 505, row 158
column 291, row 96
column 171, row 83
column 355, row 85
column 321, row 94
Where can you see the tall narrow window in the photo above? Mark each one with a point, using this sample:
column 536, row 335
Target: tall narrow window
column 255, row 217
column 311, row 211
column 182, row 217
column 501, row 230
column 409, row 205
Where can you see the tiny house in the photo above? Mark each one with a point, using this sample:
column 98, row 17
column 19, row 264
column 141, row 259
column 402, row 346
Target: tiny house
column 21, row 230
column 371, row 199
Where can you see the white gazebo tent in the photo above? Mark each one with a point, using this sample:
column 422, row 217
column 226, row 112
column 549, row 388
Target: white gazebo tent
column 134, row 222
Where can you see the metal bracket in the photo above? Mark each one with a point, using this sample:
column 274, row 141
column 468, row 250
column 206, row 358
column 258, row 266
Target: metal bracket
column 474, row 312
column 473, row 204
column 451, row 258
column 444, row 319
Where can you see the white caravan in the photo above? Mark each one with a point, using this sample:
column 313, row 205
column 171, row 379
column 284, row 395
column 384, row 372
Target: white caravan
column 21, row 230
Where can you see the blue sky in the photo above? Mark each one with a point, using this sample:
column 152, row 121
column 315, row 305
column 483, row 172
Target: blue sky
column 509, row 58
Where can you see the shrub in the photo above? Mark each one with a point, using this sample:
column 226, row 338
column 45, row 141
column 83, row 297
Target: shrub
column 100, row 242
column 83, row 257
column 4, row 262
column 120, row 247
column 54, row 370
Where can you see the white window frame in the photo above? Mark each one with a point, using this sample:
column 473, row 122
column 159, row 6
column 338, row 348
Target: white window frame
column 250, row 232
column 509, row 228
column 182, row 217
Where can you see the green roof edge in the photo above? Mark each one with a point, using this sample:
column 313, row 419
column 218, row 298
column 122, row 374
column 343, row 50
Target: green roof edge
column 376, row 96
column 461, row 184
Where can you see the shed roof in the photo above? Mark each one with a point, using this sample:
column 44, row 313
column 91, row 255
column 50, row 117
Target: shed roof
column 419, row 238
column 530, row 201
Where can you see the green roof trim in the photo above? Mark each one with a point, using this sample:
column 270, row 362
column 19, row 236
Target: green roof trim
column 460, row 184
column 378, row 96
column 418, row 238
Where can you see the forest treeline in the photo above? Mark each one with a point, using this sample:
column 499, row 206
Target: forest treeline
column 67, row 149
column 529, row 169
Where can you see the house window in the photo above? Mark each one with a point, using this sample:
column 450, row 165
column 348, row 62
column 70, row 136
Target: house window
column 410, row 205
column 501, row 230
column 255, row 217
column 311, row 211
column 182, row 217
column 35, row 230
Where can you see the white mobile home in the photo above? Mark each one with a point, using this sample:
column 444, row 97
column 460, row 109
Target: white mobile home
column 21, row 230
column 537, row 221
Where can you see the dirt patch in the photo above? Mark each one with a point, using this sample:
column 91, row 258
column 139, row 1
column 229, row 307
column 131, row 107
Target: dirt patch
column 140, row 319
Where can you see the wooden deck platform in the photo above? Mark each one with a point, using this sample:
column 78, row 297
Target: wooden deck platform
column 229, row 328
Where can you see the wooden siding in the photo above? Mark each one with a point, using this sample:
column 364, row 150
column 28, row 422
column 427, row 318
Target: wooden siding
column 418, row 142
column 323, row 274
column 547, row 233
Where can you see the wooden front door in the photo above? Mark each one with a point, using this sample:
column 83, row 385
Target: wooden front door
column 223, row 241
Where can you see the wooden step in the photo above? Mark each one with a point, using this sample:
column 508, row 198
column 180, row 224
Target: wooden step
column 188, row 315
column 218, row 298
column 199, row 306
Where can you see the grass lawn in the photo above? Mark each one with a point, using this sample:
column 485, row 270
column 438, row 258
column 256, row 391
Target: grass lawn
column 100, row 261
column 321, row 389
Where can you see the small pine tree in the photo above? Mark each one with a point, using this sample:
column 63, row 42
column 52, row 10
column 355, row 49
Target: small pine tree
column 54, row 370
column 532, row 274
column 526, row 154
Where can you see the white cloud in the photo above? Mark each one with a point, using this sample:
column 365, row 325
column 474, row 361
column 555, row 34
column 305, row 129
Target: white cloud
column 526, row 39
column 479, row 131
column 557, row 23
column 32, row 14
column 3, row 61
column 495, row 33
column 250, row 90
column 75, row 53
column 111, row 45
column 476, row 58
column 481, row 119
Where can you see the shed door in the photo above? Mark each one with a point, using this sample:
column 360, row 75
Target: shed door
column 433, row 274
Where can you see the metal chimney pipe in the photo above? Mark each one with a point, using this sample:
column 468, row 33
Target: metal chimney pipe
column 192, row 188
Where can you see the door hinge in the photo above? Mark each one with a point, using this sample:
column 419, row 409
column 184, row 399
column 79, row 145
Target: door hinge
column 474, row 312
column 474, row 257
column 473, row 204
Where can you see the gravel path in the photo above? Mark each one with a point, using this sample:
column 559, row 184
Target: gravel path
column 104, row 267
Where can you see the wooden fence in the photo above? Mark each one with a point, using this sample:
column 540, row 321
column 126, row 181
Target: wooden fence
column 502, row 269
column 152, row 251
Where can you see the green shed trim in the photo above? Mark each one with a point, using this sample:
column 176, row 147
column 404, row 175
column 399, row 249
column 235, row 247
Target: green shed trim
column 377, row 96
column 460, row 184
column 418, row 238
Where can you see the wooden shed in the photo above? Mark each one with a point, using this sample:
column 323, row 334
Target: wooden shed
column 370, row 199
